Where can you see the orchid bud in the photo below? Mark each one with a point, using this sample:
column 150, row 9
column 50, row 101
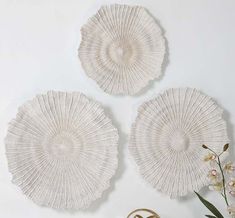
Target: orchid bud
column 226, row 146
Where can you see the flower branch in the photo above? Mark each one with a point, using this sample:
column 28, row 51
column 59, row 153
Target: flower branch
column 219, row 176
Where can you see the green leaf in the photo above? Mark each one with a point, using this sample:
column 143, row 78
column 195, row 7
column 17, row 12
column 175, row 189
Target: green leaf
column 210, row 206
column 210, row 216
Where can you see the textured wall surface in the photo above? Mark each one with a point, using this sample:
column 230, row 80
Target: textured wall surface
column 38, row 52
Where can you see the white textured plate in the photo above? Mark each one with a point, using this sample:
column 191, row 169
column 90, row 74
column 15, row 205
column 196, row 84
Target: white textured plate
column 62, row 150
column 122, row 48
column 167, row 137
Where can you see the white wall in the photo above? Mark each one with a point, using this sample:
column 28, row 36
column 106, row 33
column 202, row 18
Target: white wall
column 38, row 52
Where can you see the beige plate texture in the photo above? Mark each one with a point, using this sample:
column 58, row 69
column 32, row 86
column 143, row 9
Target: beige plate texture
column 122, row 48
column 167, row 137
column 62, row 150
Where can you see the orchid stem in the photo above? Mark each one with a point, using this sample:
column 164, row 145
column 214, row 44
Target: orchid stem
column 212, row 152
column 224, row 194
column 223, row 180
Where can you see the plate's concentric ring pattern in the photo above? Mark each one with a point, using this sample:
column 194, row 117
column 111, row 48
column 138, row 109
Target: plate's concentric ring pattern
column 122, row 48
column 167, row 137
column 62, row 150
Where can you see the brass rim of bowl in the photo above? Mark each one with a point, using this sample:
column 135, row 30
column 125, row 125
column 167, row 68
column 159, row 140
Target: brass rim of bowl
column 155, row 215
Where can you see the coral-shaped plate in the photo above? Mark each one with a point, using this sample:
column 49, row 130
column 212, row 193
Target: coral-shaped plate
column 167, row 137
column 122, row 48
column 62, row 150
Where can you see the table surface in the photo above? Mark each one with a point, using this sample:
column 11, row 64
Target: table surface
column 38, row 52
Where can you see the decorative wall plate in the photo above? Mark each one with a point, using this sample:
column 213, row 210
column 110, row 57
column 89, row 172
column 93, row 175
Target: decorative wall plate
column 167, row 137
column 62, row 150
column 122, row 48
